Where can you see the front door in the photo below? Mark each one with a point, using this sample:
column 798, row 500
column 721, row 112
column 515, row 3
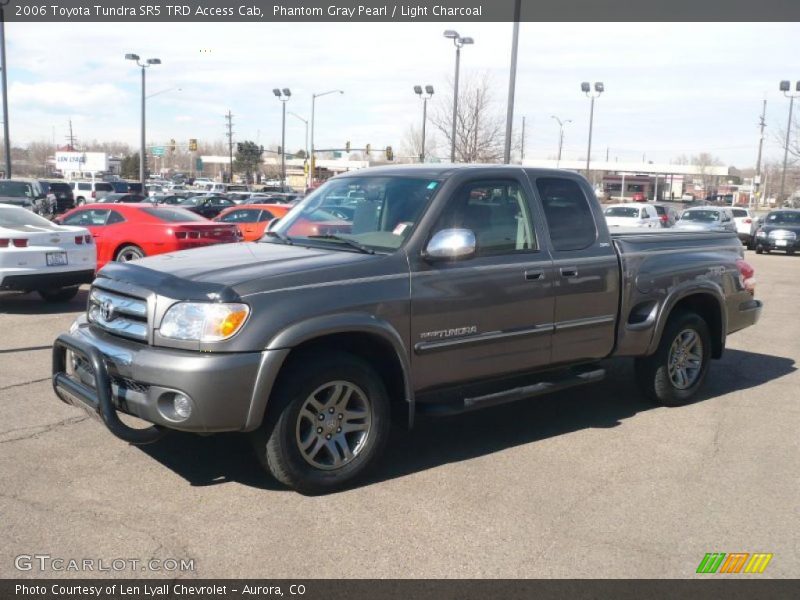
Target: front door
column 492, row 313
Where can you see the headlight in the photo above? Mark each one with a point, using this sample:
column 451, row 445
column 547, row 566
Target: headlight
column 761, row 233
column 203, row 321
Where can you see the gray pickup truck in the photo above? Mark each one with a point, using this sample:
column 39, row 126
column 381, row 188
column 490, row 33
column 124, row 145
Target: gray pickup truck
column 394, row 292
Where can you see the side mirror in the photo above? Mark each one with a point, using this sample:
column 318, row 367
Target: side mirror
column 451, row 244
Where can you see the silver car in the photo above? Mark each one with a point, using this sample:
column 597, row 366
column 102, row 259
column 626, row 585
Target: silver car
column 706, row 218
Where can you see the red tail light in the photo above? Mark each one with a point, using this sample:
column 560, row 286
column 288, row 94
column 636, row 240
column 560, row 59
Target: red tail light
column 94, row 194
column 21, row 242
column 4, row 242
column 748, row 220
column 747, row 275
column 664, row 218
column 88, row 239
column 79, row 239
column 191, row 235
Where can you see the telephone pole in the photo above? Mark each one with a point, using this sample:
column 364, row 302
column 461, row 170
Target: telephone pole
column 762, row 124
column 522, row 141
column 229, row 135
column 71, row 137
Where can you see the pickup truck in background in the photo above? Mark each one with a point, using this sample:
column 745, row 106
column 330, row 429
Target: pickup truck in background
column 394, row 292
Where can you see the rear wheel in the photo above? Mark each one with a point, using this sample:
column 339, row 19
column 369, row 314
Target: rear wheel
column 675, row 372
column 328, row 422
column 59, row 294
column 129, row 253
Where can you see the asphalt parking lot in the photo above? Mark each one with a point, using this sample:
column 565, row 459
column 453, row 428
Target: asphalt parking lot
column 592, row 482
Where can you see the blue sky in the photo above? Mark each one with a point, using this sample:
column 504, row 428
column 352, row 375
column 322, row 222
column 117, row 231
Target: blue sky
column 671, row 89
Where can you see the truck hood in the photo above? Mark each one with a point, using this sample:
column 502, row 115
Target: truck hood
column 216, row 269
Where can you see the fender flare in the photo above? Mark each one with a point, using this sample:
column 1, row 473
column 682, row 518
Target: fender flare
column 280, row 346
column 689, row 288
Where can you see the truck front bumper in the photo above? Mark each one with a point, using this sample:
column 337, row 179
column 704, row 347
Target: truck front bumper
column 105, row 374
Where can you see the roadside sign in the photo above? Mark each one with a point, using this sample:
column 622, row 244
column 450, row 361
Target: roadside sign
column 158, row 150
column 198, row 164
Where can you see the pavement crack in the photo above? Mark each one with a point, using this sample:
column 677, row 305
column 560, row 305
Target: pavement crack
column 37, row 430
column 24, row 383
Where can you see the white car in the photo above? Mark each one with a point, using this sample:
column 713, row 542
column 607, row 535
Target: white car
column 706, row 218
column 745, row 226
column 38, row 255
column 632, row 215
column 86, row 192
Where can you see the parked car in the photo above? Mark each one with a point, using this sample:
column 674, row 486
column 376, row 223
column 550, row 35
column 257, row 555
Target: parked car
column 666, row 214
column 201, row 181
column 64, row 197
column 779, row 230
column 26, row 193
column 90, row 191
column 639, row 197
column 120, row 187
column 275, row 197
column 121, row 199
column 125, row 232
column 707, row 218
column 252, row 220
column 164, row 199
column 135, row 187
column 47, row 205
column 456, row 288
column 207, row 206
column 39, row 255
column 632, row 215
column 745, row 226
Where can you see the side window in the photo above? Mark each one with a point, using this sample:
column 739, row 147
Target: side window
column 265, row 216
column 496, row 212
column 569, row 216
column 114, row 217
column 87, row 218
column 85, row 187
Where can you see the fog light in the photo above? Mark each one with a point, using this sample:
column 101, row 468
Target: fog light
column 182, row 406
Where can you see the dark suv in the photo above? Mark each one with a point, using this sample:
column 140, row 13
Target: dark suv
column 65, row 198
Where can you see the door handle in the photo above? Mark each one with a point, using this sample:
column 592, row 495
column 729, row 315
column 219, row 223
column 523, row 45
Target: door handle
column 534, row 275
column 569, row 271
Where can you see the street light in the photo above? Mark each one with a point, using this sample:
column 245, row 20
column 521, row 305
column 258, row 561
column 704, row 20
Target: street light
column 458, row 42
column 785, row 87
column 283, row 95
column 587, row 89
column 314, row 97
column 6, row 140
column 143, row 65
column 560, row 135
column 424, row 97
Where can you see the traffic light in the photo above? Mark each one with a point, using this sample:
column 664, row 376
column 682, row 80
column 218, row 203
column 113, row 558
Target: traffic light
column 192, row 145
column 389, row 153
column 347, row 146
column 280, row 150
column 173, row 145
column 369, row 147
column 305, row 168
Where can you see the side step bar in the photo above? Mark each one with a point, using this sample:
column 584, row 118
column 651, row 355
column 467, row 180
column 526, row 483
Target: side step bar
column 563, row 382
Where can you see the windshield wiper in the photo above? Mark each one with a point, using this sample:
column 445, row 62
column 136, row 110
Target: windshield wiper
column 281, row 236
column 349, row 242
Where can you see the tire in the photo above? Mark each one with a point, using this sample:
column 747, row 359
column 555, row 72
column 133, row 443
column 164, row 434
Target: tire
column 759, row 250
column 653, row 372
column 80, row 201
column 789, row 252
column 129, row 253
column 297, row 447
column 59, row 295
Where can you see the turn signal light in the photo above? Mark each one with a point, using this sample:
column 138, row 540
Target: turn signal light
column 747, row 275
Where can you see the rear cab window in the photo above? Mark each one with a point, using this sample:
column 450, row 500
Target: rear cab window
column 567, row 212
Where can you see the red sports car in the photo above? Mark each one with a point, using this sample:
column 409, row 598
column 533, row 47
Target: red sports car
column 124, row 232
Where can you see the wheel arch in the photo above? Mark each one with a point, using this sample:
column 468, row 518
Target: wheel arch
column 121, row 245
column 708, row 302
column 363, row 335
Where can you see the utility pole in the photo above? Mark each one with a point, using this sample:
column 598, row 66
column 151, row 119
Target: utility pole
column 522, row 141
column 512, row 79
column 229, row 135
column 762, row 124
column 71, row 137
column 6, row 135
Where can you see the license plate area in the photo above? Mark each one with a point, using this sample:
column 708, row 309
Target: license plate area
column 56, row 259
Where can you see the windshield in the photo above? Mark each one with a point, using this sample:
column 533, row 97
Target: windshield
column 783, row 218
column 15, row 189
column 705, row 216
column 376, row 212
column 20, row 218
column 622, row 211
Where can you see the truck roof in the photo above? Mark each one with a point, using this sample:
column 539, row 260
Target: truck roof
column 443, row 170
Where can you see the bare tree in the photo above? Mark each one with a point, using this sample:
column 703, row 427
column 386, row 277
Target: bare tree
column 704, row 161
column 411, row 144
column 479, row 126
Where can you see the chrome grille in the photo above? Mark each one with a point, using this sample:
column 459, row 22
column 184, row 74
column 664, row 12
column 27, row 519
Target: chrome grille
column 120, row 315
column 782, row 234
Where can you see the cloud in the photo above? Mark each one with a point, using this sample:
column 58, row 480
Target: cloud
column 64, row 96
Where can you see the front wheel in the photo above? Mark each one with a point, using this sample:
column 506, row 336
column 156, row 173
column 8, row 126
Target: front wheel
column 328, row 422
column 675, row 372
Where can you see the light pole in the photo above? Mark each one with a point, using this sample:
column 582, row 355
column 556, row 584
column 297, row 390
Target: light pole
column 785, row 87
column 283, row 95
column 458, row 42
column 6, row 139
column 142, row 156
column 314, row 96
column 512, row 79
column 587, row 89
column 305, row 122
column 560, row 135
column 424, row 97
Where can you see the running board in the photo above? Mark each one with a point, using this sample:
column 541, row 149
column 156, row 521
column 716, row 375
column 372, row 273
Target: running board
column 566, row 381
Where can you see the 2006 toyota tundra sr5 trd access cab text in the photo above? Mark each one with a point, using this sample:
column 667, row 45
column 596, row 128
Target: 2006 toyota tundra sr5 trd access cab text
column 392, row 292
